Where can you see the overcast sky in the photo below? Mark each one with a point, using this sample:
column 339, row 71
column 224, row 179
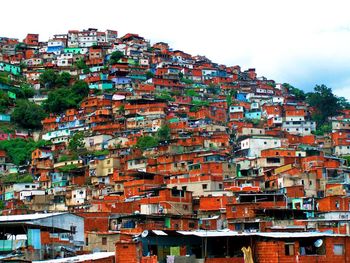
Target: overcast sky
column 300, row 42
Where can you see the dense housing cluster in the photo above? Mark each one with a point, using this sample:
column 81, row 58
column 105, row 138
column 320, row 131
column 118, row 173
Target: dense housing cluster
column 149, row 152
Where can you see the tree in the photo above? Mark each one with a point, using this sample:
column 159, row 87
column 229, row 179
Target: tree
column 165, row 95
column 80, row 64
column 146, row 142
column 322, row 129
column 298, row 93
column 76, row 142
column 62, row 99
column 63, row 79
column 212, row 88
column 5, row 102
column 192, row 93
column 344, row 103
column 164, row 133
column 27, row 91
column 115, row 56
column 149, row 74
column 28, row 115
column 325, row 103
column 59, row 100
column 48, row 78
column 80, row 90
column 19, row 150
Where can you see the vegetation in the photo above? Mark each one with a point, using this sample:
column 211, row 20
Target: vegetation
column 192, row 93
column 66, row 98
column 50, row 79
column 115, row 56
column 28, row 115
column 187, row 81
column 164, row 133
column 325, row 103
column 5, row 102
column 198, row 104
column 145, row 142
column 4, row 78
column 19, row 150
column 232, row 94
column 16, row 178
column 149, row 74
column 65, row 157
column 347, row 158
column 80, row 64
column 100, row 153
column 24, row 92
column 323, row 129
column 76, row 142
column 214, row 89
column 164, row 95
column 68, row 168
column 298, row 93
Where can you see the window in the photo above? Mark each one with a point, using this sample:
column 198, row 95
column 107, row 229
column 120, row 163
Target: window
column 307, row 247
column 86, row 241
column 233, row 209
column 204, row 186
column 338, row 249
column 220, row 186
column 289, row 249
column 104, row 241
column 191, row 225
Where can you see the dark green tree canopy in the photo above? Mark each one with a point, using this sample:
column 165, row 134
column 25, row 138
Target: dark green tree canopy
column 62, row 99
column 76, row 142
column 19, row 150
column 163, row 133
column 50, row 79
column 5, row 102
column 297, row 93
column 28, row 115
column 146, row 142
column 115, row 56
column 325, row 103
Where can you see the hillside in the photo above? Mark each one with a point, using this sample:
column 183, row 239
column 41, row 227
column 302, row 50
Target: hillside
column 99, row 124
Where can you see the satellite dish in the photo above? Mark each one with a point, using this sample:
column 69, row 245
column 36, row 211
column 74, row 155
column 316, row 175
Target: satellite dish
column 144, row 233
column 318, row 243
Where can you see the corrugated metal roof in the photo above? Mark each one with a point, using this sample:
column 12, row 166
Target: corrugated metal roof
column 228, row 233
column 81, row 258
column 159, row 233
column 27, row 217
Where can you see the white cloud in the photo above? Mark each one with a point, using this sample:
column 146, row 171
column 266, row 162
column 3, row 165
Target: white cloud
column 301, row 42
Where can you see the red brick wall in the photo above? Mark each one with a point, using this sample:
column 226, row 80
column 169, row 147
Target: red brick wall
column 224, row 260
column 273, row 251
column 128, row 252
column 95, row 221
